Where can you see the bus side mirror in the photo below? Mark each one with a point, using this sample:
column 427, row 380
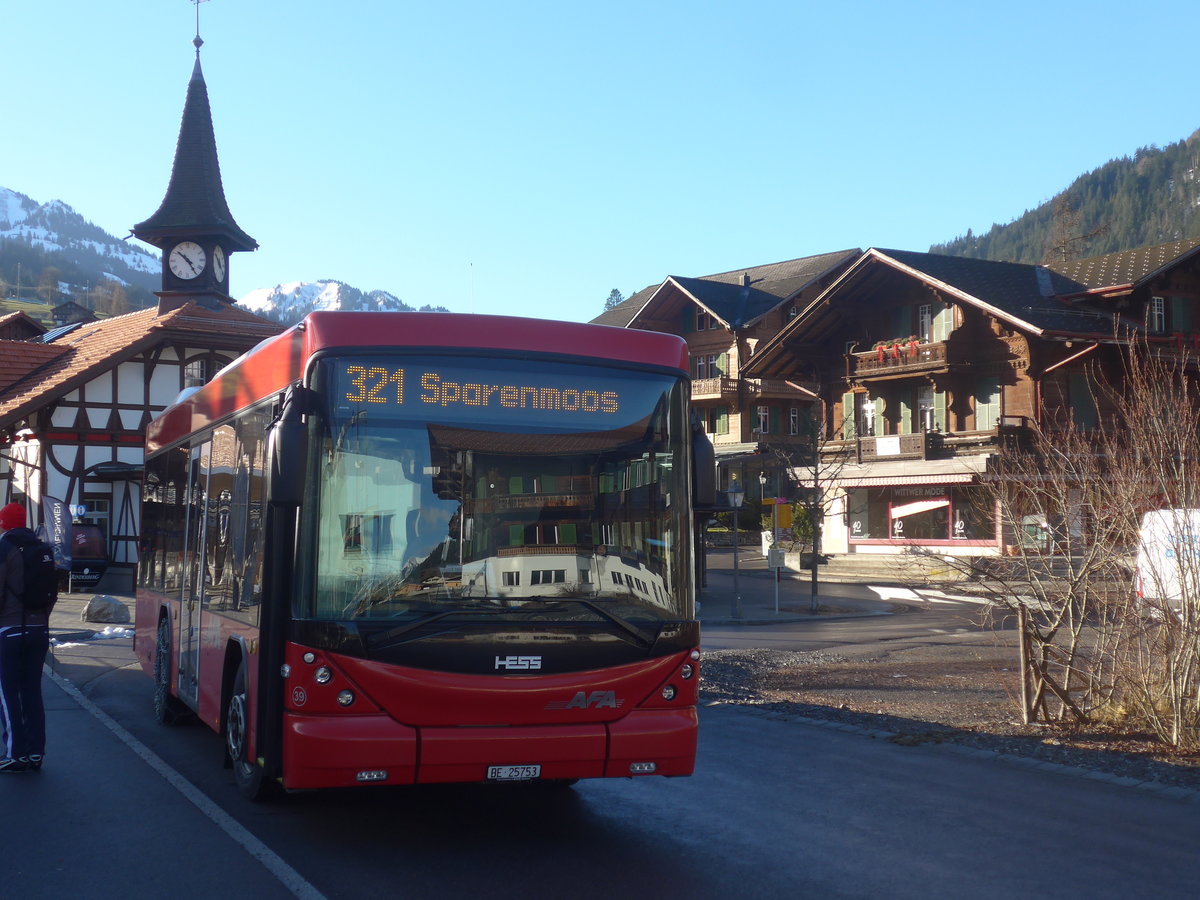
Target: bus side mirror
column 288, row 448
column 704, row 467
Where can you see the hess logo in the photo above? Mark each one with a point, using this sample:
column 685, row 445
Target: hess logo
column 588, row 700
column 518, row 662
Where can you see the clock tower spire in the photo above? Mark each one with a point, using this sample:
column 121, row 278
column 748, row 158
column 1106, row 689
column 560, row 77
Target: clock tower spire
column 193, row 225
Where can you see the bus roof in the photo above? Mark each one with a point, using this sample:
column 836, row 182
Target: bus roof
column 282, row 360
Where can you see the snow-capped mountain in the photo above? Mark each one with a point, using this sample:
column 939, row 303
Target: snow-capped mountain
column 56, row 228
column 53, row 234
column 289, row 303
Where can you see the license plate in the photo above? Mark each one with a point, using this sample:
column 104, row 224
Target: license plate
column 513, row 773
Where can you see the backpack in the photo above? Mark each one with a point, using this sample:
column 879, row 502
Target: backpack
column 41, row 577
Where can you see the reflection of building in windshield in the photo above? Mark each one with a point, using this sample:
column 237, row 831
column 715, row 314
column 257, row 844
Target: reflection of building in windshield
column 430, row 512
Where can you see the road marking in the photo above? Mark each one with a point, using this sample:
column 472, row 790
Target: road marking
column 289, row 877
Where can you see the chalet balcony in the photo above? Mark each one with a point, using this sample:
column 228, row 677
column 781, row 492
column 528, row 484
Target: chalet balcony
column 924, row 445
column 714, row 388
column 898, row 358
column 780, row 388
column 727, row 388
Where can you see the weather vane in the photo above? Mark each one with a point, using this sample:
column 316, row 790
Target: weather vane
column 196, row 41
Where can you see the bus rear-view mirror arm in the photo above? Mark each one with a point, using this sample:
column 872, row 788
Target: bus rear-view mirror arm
column 288, row 439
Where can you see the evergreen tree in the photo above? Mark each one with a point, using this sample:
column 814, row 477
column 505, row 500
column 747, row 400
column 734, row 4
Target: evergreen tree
column 614, row 299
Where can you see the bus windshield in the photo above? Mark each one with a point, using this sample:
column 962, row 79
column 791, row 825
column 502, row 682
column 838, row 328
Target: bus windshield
column 521, row 490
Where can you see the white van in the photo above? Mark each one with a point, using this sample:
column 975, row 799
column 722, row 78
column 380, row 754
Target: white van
column 1168, row 558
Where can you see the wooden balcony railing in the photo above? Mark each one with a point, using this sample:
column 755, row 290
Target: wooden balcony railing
column 899, row 357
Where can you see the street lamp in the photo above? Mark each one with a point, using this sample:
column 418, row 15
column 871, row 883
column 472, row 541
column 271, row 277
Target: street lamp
column 736, row 495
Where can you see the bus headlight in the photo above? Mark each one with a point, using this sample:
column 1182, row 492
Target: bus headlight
column 668, row 693
column 345, row 698
column 323, row 675
column 686, row 671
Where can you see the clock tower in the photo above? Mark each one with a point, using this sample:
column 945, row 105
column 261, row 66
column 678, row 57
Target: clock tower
column 193, row 226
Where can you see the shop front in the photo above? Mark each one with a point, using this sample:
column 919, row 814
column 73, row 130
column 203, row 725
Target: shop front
column 893, row 507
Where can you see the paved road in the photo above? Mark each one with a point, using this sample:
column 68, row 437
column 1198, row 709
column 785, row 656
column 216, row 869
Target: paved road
column 778, row 808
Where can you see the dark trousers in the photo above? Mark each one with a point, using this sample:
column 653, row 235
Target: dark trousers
column 22, row 713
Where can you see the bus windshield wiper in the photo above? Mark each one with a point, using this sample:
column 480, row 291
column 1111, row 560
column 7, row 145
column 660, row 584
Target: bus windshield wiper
column 393, row 635
column 630, row 629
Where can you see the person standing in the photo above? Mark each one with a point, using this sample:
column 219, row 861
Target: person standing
column 24, row 642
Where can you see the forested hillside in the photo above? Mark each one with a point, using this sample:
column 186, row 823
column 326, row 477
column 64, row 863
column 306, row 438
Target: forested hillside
column 1149, row 198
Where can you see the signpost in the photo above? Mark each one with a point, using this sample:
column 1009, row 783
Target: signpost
column 781, row 525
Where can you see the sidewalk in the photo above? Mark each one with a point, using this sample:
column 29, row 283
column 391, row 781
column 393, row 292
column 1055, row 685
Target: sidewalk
column 768, row 601
column 93, row 800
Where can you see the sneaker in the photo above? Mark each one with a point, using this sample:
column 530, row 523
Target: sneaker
column 8, row 764
column 35, row 760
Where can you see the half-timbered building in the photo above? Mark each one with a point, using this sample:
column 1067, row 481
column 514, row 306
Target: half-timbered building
column 75, row 401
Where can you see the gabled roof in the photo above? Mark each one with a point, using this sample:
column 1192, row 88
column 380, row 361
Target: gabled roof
column 49, row 371
column 1027, row 297
column 737, row 298
column 195, row 200
column 20, row 322
column 19, row 359
column 1127, row 269
column 622, row 314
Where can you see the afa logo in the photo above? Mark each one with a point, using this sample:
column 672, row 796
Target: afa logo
column 588, row 700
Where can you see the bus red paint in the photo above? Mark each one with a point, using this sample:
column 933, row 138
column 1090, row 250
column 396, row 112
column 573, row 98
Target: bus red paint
column 405, row 548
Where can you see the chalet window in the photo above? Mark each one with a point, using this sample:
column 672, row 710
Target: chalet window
column 718, row 420
column 866, row 415
column 700, row 366
column 925, row 322
column 1156, row 315
column 931, row 409
column 705, row 321
column 794, row 420
column 763, row 424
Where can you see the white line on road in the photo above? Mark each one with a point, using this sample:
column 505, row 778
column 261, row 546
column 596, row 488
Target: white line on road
column 289, row 877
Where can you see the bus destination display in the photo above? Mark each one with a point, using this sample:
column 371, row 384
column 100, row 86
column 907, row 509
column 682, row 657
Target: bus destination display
column 428, row 389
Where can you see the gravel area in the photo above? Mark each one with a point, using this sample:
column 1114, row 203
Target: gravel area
column 934, row 690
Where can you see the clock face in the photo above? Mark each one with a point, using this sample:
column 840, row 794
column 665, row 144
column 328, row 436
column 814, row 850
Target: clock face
column 219, row 263
column 187, row 260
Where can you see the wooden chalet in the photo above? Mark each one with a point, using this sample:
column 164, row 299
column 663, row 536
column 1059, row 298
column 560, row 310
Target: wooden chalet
column 926, row 367
column 20, row 326
column 75, row 402
column 724, row 318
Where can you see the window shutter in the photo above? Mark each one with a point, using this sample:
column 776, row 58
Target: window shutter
column 1181, row 315
column 849, row 431
column 906, row 408
column 1083, row 404
column 943, row 322
column 723, row 365
column 774, row 420
column 880, row 421
column 723, row 420
column 689, row 319
column 939, row 410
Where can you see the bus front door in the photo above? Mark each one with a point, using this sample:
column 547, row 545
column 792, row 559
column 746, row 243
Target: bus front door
column 194, row 579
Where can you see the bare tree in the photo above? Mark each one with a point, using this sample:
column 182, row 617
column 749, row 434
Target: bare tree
column 1070, row 506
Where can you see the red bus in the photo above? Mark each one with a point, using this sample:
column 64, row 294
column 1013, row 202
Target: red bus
column 405, row 548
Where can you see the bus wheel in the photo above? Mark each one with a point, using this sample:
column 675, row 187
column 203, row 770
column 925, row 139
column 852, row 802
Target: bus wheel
column 168, row 710
column 249, row 777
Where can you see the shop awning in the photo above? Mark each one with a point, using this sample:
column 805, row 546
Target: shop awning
column 963, row 470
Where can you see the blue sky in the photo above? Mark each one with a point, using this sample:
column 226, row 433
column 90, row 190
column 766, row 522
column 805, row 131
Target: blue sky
column 527, row 158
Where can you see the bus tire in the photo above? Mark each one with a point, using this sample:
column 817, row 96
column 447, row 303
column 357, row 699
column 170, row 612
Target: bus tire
column 251, row 781
column 168, row 709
